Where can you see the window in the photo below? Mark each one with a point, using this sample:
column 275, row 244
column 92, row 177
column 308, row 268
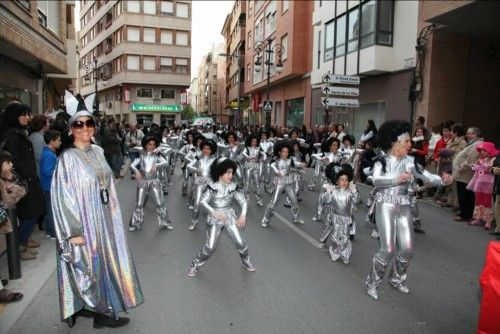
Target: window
column 329, row 39
column 166, row 37
column 133, row 34
column 24, row 3
column 149, row 63
column 284, row 44
column 150, row 35
column 258, row 5
column 368, row 23
column 249, row 40
column 319, row 50
column 270, row 18
column 167, row 8
column 340, row 33
column 353, row 30
column 48, row 14
column 259, row 29
column 145, row 92
column 133, row 62
column 384, row 34
column 257, row 75
column 134, row 6
column 249, row 72
column 182, row 10
column 167, row 93
column 273, row 58
column 181, row 65
column 166, row 64
column 149, row 7
column 181, row 38
column 286, row 4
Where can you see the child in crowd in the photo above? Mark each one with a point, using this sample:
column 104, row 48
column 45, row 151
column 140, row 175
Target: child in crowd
column 482, row 185
column 48, row 161
column 338, row 200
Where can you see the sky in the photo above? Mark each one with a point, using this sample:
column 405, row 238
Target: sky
column 208, row 19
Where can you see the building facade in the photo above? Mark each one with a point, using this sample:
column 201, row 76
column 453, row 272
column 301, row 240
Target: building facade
column 37, row 51
column 193, row 93
column 207, row 83
column 234, row 32
column 458, row 76
column 372, row 39
column 282, row 70
column 143, row 53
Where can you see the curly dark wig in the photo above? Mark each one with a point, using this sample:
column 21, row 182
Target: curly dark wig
column 334, row 171
column 388, row 133
column 248, row 140
column 210, row 143
column 230, row 133
column 220, row 166
column 325, row 146
column 147, row 139
column 350, row 139
column 192, row 133
column 279, row 145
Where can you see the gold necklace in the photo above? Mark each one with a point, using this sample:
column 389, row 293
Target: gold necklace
column 101, row 175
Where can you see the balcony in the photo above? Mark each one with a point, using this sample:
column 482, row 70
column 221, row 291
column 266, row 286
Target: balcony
column 108, row 20
column 108, row 45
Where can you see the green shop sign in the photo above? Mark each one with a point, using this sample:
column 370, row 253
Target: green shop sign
column 140, row 107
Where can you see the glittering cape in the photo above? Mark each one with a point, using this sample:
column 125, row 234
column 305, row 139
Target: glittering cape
column 101, row 274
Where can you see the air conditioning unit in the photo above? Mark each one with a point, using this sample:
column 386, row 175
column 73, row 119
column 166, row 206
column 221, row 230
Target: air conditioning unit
column 109, row 104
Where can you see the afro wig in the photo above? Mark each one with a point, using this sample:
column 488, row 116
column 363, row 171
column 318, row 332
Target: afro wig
column 248, row 141
column 350, row 139
column 334, row 171
column 230, row 133
column 325, row 146
column 147, row 139
column 192, row 133
column 281, row 144
column 220, row 166
column 389, row 132
column 210, row 143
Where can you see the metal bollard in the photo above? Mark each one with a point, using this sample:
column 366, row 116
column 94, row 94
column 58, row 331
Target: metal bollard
column 13, row 254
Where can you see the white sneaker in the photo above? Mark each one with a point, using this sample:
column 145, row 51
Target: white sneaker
column 264, row 224
column 372, row 292
column 249, row 265
column 374, row 234
column 169, row 227
column 192, row 271
column 192, row 227
column 299, row 221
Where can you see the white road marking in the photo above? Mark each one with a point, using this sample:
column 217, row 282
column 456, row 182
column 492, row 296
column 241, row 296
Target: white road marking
column 297, row 230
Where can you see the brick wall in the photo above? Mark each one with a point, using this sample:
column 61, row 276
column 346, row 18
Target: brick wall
column 433, row 8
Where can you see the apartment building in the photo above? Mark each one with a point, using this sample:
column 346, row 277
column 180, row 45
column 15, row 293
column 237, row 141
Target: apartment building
column 234, row 32
column 372, row 39
column 193, row 93
column 143, row 51
column 277, row 47
column 207, row 83
column 458, row 75
column 37, row 51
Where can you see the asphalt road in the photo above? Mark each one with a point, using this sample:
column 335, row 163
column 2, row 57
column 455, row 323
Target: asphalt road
column 296, row 288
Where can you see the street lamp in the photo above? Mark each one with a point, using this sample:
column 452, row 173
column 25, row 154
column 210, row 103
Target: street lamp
column 269, row 49
column 236, row 56
column 92, row 67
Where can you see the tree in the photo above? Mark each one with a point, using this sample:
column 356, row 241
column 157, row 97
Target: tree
column 187, row 113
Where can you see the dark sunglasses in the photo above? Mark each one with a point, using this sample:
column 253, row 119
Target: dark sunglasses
column 80, row 124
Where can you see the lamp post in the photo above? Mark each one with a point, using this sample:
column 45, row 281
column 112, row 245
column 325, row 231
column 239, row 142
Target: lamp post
column 236, row 56
column 269, row 49
column 92, row 67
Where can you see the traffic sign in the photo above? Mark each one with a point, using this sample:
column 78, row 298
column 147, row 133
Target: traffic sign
column 267, row 105
column 340, row 91
column 340, row 79
column 339, row 102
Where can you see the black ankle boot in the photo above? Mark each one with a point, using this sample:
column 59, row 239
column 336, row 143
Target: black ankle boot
column 71, row 320
column 102, row 320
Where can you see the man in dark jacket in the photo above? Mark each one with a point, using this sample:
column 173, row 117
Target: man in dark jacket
column 112, row 147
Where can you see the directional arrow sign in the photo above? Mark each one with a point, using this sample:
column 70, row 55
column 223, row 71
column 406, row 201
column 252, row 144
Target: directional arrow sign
column 338, row 102
column 340, row 79
column 340, row 91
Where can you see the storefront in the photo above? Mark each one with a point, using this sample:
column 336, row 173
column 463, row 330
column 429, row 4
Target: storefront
column 162, row 114
column 295, row 112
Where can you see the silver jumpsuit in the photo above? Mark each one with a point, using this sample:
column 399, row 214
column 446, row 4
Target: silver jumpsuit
column 337, row 205
column 219, row 197
column 320, row 164
column 164, row 150
column 150, row 184
column 232, row 152
column 175, row 141
column 186, row 153
column 266, row 146
column 253, row 157
column 284, row 180
column 394, row 219
column 200, row 167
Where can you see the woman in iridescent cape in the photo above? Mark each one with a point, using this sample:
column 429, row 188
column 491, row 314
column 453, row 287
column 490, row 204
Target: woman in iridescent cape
column 96, row 274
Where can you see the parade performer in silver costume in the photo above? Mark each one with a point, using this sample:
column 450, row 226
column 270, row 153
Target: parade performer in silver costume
column 392, row 176
column 298, row 174
column 329, row 153
column 95, row 271
column 146, row 169
column 164, row 172
column 231, row 149
column 253, row 157
column 266, row 145
column 184, row 154
column 283, row 168
column 176, row 142
column 200, row 167
column 217, row 200
column 338, row 201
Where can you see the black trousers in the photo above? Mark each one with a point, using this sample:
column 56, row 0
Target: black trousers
column 465, row 200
